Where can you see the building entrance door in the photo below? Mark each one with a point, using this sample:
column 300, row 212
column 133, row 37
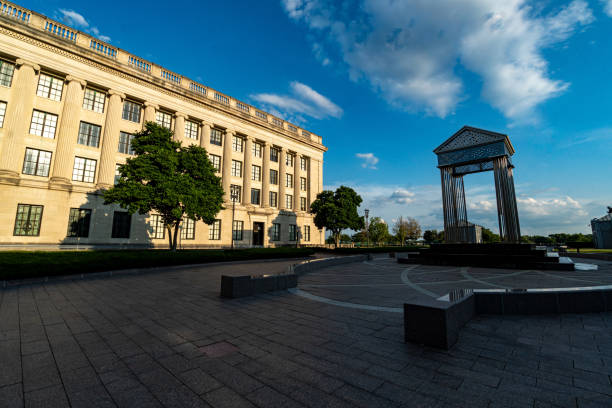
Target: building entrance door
column 258, row 233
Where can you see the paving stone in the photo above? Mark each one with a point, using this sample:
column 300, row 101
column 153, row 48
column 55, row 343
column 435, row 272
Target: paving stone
column 11, row 396
column 226, row 398
column 53, row 396
column 199, row 381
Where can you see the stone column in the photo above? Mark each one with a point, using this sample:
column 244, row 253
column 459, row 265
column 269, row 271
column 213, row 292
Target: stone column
column 296, row 183
column 246, row 172
column 312, row 181
column 227, row 164
column 149, row 112
column 110, row 140
column 282, row 178
column 265, row 176
column 68, row 131
column 179, row 127
column 17, row 119
column 507, row 211
column 205, row 136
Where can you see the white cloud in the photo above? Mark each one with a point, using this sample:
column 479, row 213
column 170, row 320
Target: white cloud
column 303, row 100
column 402, row 196
column 607, row 4
column 410, row 50
column 76, row 20
column 369, row 160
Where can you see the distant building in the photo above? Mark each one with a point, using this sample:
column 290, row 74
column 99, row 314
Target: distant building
column 602, row 231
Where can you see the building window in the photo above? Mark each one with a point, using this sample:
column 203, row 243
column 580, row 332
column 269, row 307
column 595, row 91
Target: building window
column 117, row 173
column 163, row 119
column 43, row 124
column 289, row 159
column 89, row 134
column 303, row 183
column 236, row 168
column 237, row 230
column 27, row 222
column 306, row 233
column 274, row 154
column 214, row 230
column 304, row 163
column 125, row 143
column 273, row 199
column 131, row 111
column 2, row 112
column 191, row 130
column 50, row 87
column 288, row 201
column 94, row 100
column 122, row 221
column 158, row 227
column 36, row 162
column 78, row 222
column 235, row 193
column 216, row 137
column 289, row 181
column 215, row 161
column 303, row 204
column 292, row 232
column 188, row 228
column 237, row 144
column 255, row 196
column 273, row 176
column 6, row 73
column 257, row 149
column 275, row 232
column 255, row 173
column 84, row 170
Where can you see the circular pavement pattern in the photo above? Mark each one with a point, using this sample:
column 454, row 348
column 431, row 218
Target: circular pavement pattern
column 383, row 284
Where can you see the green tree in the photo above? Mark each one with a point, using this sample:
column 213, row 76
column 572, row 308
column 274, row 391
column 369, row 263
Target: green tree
column 489, row 237
column 359, row 236
column 379, row 230
column 430, row 235
column 337, row 210
column 168, row 179
column 406, row 228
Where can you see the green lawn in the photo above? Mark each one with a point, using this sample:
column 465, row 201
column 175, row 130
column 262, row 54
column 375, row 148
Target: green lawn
column 24, row 265
column 591, row 250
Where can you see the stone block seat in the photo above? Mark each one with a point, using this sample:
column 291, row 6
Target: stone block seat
column 508, row 256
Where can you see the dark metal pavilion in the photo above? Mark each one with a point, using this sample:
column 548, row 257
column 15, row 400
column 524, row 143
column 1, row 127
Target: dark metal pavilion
column 473, row 150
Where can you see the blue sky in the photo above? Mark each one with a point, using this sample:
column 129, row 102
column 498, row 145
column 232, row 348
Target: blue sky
column 385, row 82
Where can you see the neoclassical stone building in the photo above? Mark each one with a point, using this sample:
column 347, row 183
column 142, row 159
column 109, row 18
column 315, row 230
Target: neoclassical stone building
column 69, row 105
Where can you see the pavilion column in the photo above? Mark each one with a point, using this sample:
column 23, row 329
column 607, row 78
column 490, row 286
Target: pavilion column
column 179, row 127
column 205, row 136
column 17, row 119
column 227, row 164
column 265, row 176
column 509, row 228
column 453, row 204
column 282, row 178
column 110, row 140
column 149, row 112
column 296, row 183
column 246, row 174
column 68, row 131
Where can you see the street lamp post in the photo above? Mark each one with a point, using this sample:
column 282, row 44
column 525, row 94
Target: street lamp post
column 234, row 198
column 367, row 213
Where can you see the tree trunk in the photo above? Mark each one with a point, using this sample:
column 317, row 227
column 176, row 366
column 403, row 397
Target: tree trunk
column 176, row 230
column 337, row 238
column 169, row 228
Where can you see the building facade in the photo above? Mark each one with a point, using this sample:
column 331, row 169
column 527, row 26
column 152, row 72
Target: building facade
column 69, row 105
column 602, row 231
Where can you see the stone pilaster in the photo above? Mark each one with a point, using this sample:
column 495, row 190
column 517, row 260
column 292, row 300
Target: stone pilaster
column 110, row 140
column 265, row 176
column 17, row 119
column 205, row 136
column 68, row 131
column 149, row 112
column 179, row 127
column 226, row 175
column 282, row 178
column 296, row 183
column 246, row 172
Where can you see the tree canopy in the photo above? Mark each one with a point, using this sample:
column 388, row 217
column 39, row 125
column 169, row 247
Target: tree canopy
column 406, row 228
column 168, row 179
column 378, row 230
column 337, row 210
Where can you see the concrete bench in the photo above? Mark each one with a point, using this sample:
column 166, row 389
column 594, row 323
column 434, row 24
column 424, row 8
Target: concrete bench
column 241, row 286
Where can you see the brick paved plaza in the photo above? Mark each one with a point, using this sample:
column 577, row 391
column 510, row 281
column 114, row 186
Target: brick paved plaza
column 168, row 339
